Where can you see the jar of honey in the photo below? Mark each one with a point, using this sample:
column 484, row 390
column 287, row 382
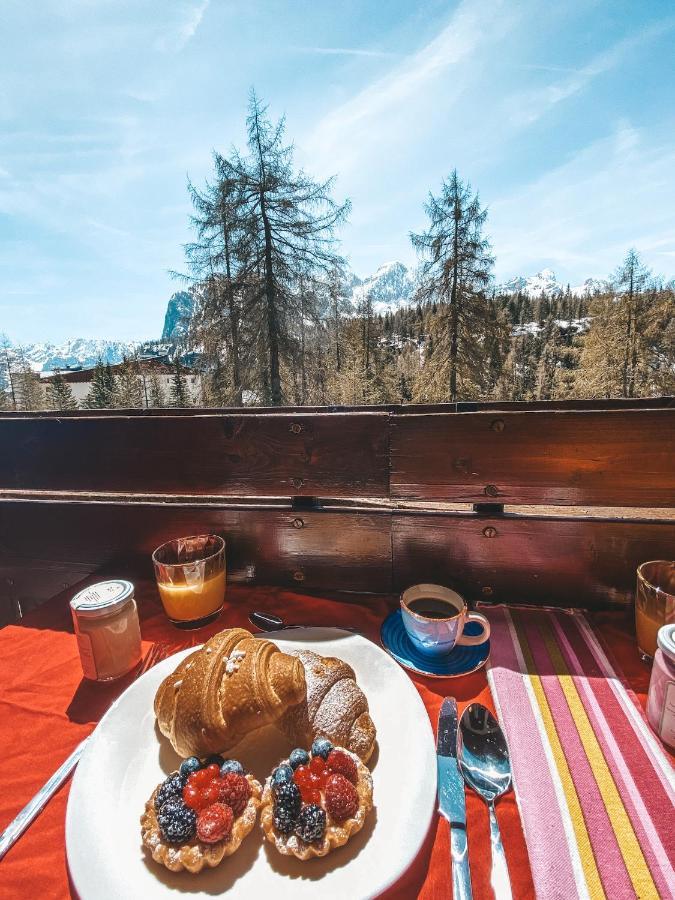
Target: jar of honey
column 108, row 633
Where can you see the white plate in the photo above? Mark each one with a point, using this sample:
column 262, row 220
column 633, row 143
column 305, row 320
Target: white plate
column 126, row 758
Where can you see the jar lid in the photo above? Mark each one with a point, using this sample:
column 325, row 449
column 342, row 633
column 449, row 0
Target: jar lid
column 666, row 640
column 102, row 599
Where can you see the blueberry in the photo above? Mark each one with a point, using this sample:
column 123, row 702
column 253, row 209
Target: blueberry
column 283, row 774
column 214, row 758
column 177, row 822
column 189, row 765
column 171, row 788
column 298, row 757
column 232, row 765
column 321, row 747
column 311, row 823
column 287, row 800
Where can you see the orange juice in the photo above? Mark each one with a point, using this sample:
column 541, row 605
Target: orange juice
column 647, row 628
column 185, row 602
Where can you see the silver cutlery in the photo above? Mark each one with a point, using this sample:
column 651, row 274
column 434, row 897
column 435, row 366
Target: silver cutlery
column 451, row 801
column 485, row 765
column 269, row 622
column 35, row 806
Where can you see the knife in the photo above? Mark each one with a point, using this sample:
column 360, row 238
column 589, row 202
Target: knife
column 451, row 803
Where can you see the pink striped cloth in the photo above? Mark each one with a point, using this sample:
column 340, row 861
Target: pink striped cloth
column 596, row 791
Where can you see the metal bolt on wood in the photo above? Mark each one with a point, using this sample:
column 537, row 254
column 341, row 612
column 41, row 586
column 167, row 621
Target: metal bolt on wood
column 297, row 482
column 497, row 425
column 298, row 523
column 491, row 490
column 298, row 575
column 490, row 532
column 487, row 591
column 295, row 428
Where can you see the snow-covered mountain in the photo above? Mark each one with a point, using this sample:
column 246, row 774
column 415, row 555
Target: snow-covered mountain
column 84, row 352
column 391, row 287
column 545, row 284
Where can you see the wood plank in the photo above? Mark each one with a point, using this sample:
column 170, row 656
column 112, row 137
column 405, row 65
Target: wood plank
column 575, row 457
column 334, row 455
column 48, row 546
column 557, row 561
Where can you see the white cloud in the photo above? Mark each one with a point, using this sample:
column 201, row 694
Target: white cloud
column 375, row 113
column 528, row 106
column 341, row 51
column 581, row 217
column 184, row 30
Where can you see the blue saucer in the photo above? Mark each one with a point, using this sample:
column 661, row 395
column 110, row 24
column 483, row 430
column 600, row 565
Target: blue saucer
column 460, row 661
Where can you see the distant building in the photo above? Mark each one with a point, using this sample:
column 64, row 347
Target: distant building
column 80, row 380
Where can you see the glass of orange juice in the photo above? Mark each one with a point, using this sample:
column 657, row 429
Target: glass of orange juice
column 654, row 602
column 190, row 573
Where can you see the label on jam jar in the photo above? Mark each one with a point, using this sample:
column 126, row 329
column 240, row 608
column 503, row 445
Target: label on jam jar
column 86, row 655
column 667, row 726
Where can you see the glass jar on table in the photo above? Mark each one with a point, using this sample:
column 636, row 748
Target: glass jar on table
column 190, row 573
column 654, row 602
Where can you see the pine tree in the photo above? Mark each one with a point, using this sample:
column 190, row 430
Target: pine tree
column 180, row 396
column 456, row 266
column 60, row 395
column 101, row 394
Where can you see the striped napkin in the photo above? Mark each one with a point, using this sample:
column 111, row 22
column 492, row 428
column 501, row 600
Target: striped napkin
column 595, row 790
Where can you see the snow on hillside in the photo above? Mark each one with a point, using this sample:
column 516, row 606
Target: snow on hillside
column 391, row 287
column 84, row 352
column 545, row 284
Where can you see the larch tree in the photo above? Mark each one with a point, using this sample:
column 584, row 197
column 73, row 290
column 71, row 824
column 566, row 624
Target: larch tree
column 456, row 265
column 60, row 395
column 156, row 392
column 6, row 379
column 101, row 394
column 28, row 391
column 291, row 221
column 129, row 386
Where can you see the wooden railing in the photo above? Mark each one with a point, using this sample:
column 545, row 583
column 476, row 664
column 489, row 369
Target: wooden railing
column 539, row 503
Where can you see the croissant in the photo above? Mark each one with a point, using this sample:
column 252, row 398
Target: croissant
column 335, row 707
column 231, row 686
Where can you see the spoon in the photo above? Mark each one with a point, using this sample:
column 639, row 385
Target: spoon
column 269, row 622
column 484, row 762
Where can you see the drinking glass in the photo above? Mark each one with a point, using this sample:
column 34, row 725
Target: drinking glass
column 190, row 573
column 654, row 602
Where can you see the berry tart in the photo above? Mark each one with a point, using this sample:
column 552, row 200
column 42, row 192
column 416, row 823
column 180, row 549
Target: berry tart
column 314, row 802
column 200, row 814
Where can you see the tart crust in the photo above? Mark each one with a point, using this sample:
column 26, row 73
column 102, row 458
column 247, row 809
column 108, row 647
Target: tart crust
column 195, row 854
column 336, row 834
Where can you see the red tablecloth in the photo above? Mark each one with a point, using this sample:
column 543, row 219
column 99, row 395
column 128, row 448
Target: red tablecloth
column 46, row 708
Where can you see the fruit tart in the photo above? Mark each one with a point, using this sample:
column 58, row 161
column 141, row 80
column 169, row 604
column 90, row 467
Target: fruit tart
column 314, row 802
column 200, row 814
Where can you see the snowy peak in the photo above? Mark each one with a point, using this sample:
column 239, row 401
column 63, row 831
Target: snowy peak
column 178, row 314
column 80, row 352
column 391, row 287
column 545, row 284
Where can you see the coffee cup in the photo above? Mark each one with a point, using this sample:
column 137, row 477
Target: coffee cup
column 434, row 618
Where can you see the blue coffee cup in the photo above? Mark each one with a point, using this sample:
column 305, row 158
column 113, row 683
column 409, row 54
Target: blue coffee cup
column 437, row 634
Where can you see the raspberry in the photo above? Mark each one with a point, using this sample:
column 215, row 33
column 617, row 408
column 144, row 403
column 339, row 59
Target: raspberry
column 342, row 800
column 311, row 823
column 235, row 791
column 214, row 823
column 341, row 762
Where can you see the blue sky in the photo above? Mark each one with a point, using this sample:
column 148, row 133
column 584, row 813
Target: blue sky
column 562, row 115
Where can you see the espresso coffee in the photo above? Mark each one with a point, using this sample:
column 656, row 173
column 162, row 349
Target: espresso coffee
column 431, row 608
